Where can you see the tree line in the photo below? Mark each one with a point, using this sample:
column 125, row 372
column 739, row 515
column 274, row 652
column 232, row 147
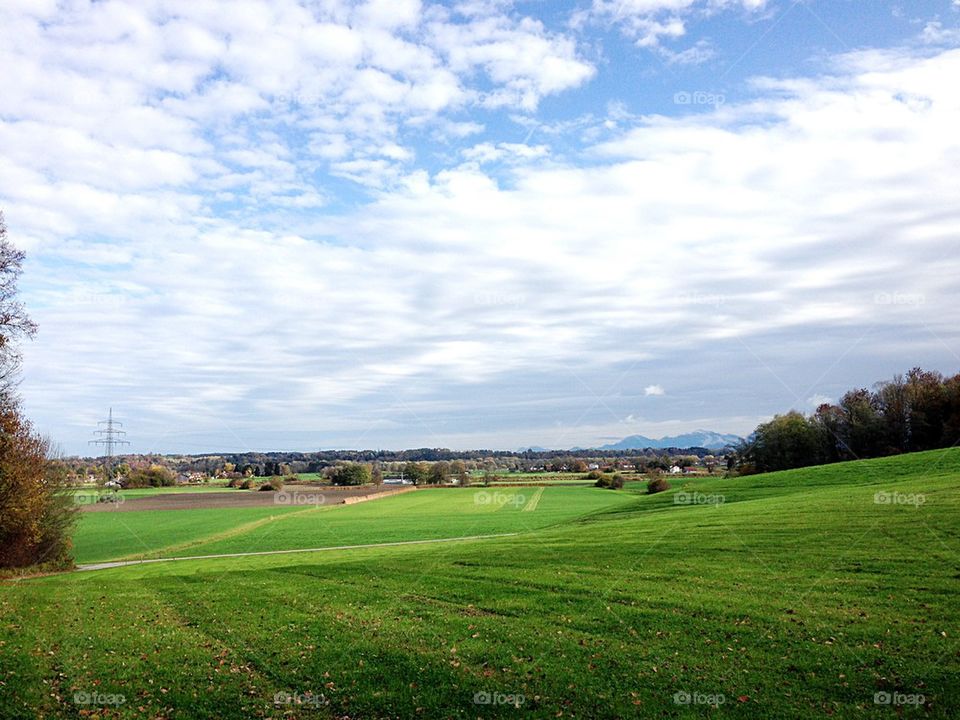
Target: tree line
column 295, row 463
column 912, row 412
column 285, row 462
column 440, row 472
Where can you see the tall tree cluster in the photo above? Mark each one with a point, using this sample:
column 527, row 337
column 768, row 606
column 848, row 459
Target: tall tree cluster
column 918, row 411
column 36, row 514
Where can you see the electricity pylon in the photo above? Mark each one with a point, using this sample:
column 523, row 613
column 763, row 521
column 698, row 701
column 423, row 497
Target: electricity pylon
column 110, row 437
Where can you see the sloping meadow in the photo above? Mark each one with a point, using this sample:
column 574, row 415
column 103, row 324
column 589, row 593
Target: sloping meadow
column 829, row 590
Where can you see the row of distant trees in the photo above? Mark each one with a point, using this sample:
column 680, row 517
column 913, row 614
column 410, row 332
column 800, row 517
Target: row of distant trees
column 918, row 411
column 440, row 472
column 156, row 470
column 295, row 463
column 421, row 471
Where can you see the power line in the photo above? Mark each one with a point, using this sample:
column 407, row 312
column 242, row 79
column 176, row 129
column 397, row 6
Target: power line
column 110, row 437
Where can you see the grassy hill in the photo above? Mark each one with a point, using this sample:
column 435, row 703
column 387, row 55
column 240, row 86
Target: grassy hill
column 822, row 591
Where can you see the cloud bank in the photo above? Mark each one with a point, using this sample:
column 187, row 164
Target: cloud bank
column 261, row 225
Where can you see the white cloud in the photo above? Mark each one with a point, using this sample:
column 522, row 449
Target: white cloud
column 123, row 79
column 697, row 54
column 523, row 60
column 168, row 235
column 648, row 22
column 488, row 152
column 653, row 390
column 390, row 14
column 935, row 34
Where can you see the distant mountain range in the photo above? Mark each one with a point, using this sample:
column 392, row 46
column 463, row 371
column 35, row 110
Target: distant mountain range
column 698, row 438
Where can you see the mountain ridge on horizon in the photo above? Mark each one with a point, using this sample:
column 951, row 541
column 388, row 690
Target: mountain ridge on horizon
column 709, row 439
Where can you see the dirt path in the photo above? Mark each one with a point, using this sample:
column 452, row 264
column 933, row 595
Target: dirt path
column 124, row 563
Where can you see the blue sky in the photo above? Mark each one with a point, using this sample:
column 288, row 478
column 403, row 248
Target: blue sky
column 283, row 225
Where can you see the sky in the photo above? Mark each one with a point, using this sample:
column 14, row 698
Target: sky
column 285, row 225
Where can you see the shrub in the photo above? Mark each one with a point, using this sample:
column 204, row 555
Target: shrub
column 657, row 485
column 594, row 475
column 234, row 482
column 246, row 484
column 37, row 510
column 351, row 474
column 152, row 476
column 613, row 482
column 274, row 484
column 58, row 518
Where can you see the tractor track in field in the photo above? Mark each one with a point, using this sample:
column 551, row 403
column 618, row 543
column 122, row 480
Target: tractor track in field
column 532, row 503
column 124, row 563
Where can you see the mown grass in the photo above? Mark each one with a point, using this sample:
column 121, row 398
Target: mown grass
column 798, row 596
column 532, row 475
column 569, row 480
column 112, row 534
column 421, row 515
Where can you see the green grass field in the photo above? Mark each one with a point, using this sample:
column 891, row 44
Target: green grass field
column 308, row 477
column 112, row 535
column 533, row 475
column 547, row 477
column 422, row 515
column 827, row 591
column 543, row 480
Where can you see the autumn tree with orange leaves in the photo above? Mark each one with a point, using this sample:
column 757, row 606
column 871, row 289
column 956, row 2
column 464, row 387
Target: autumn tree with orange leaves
column 36, row 512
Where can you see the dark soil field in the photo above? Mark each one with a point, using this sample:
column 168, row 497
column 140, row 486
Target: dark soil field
column 291, row 495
